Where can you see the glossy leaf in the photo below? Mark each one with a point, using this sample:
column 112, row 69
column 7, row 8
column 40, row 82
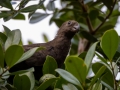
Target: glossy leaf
column 28, row 54
column 77, row 67
column 46, row 81
column 24, row 81
column 12, row 54
column 1, row 57
column 109, row 43
column 49, row 65
column 69, row 87
column 7, row 30
column 90, row 55
column 68, row 77
column 13, row 38
column 36, row 17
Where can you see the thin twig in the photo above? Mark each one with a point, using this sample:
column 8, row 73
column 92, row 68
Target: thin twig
column 87, row 18
column 105, row 17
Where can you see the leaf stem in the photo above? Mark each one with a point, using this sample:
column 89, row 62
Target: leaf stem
column 99, row 26
column 4, row 71
column 115, row 83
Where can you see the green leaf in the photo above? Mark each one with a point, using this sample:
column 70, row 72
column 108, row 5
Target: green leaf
column 49, row 65
column 6, row 3
column 107, row 77
column 22, row 71
column 97, row 86
column 68, row 77
column 109, row 5
column 109, row 43
column 90, row 55
column 10, row 87
column 108, row 80
column 24, row 81
column 45, row 38
column 28, row 54
column 1, row 57
column 7, row 30
column 30, row 8
column 46, row 81
column 51, row 6
column 3, row 15
column 69, row 87
column 19, row 17
column 77, row 67
column 36, row 17
column 98, row 74
column 3, row 38
column 13, row 38
column 12, row 55
column 88, row 36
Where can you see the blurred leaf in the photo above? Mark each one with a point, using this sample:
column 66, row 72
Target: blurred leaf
column 69, row 87
column 7, row 30
column 77, row 67
column 111, row 38
column 11, row 14
column 24, row 81
column 97, row 86
column 68, row 77
column 115, row 67
column 4, row 75
column 90, row 55
column 46, row 81
column 98, row 74
column 36, row 17
column 19, row 17
column 28, row 54
column 23, row 3
column 22, row 71
column 13, row 38
column 3, row 15
column 51, row 6
column 107, row 77
column 10, row 87
column 6, row 3
column 105, row 27
column 3, row 38
column 45, row 38
column 1, row 57
column 108, row 80
column 49, row 65
column 88, row 36
column 30, row 8
column 12, row 55
column 109, row 5
column 82, row 55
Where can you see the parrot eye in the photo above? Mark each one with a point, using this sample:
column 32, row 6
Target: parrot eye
column 69, row 23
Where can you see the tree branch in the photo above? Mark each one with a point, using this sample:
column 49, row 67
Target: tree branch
column 87, row 18
column 105, row 18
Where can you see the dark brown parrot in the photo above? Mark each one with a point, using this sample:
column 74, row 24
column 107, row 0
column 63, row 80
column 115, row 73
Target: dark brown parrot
column 58, row 48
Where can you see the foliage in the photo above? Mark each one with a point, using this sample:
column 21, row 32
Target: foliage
column 96, row 27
